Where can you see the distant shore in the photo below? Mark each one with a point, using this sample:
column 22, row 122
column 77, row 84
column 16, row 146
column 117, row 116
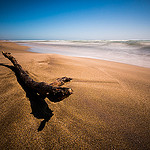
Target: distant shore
column 109, row 109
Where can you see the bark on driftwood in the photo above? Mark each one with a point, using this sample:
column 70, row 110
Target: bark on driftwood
column 52, row 91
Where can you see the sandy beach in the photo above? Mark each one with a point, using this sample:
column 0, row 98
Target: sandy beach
column 109, row 109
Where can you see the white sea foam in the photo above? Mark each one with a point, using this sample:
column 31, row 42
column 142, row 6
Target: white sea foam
column 135, row 52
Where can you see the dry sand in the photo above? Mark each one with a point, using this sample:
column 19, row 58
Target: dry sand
column 110, row 107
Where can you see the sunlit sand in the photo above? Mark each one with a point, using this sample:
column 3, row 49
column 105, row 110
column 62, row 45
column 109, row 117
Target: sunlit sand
column 109, row 108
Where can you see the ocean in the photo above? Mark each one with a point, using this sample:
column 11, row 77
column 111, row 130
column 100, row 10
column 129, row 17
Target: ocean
column 134, row 52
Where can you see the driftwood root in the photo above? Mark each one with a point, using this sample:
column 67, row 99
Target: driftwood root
column 52, row 91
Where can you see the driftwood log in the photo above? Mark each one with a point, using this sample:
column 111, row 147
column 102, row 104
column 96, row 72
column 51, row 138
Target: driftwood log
column 52, row 91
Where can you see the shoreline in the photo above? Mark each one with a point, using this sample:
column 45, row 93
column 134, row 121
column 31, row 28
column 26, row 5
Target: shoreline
column 27, row 50
column 108, row 109
column 137, row 55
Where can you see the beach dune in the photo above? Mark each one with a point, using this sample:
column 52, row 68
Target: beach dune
column 109, row 109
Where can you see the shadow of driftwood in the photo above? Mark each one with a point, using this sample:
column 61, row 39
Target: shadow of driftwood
column 39, row 107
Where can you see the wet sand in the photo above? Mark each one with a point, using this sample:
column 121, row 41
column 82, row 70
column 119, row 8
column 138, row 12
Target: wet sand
column 109, row 109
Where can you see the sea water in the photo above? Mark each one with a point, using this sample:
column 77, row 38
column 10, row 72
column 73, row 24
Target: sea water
column 134, row 52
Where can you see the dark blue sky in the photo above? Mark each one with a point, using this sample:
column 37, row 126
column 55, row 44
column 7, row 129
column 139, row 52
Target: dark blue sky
column 75, row 19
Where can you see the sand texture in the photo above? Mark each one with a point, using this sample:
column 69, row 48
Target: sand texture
column 109, row 109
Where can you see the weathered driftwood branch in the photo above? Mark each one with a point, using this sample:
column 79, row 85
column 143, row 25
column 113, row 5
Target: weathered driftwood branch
column 60, row 81
column 52, row 91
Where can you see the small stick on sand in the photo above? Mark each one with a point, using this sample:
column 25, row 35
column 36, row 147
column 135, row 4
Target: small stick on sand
column 53, row 93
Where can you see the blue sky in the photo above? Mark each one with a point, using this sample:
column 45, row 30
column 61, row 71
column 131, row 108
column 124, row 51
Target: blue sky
column 75, row 19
